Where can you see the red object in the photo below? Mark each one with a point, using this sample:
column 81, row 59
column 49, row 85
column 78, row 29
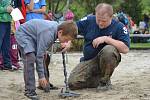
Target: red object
column 69, row 15
column 13, row 53
column 23, row 11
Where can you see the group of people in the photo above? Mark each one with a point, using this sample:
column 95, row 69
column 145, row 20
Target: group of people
column 34, row 10
column 144, row 25
column 104, row 40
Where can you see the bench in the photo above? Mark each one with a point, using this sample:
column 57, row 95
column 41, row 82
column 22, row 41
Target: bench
column 135, row 38
column 140, row 38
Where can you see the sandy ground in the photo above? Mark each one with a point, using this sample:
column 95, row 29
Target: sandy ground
column 131, row 80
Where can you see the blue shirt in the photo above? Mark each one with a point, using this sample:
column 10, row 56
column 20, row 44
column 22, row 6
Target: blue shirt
column 90, row 30
column 37, row 5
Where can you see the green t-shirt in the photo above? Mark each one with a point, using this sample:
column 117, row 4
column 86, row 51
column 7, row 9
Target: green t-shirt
column 4, row 15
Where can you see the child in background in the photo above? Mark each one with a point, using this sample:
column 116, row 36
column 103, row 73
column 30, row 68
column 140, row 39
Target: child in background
column 5, row 26
column 35, row 9
column 14, row 47
column 69, row 15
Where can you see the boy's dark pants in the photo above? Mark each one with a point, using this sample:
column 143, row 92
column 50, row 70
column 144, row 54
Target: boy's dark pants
column 29, row 70
column 5, row 28
column 88, row 74
column 46, row 63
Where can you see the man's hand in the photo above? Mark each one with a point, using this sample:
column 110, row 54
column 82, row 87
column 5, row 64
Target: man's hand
column 65, row 46
column 43, row 82
column 98, row 41
column 9, row 9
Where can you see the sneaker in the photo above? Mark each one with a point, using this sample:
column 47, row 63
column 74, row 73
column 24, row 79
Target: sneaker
column 7, row 68
column 104, row 86
column 31, row 95
column 1, row 68
column 14, row 67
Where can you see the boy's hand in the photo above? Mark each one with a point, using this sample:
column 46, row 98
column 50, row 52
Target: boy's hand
column 65, row 46
column 43, row 82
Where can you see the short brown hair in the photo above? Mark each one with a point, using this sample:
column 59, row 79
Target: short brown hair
column 69, row 28
column 108, row 8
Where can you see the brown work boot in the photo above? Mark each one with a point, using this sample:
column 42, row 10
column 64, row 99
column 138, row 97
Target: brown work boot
column 104, row 86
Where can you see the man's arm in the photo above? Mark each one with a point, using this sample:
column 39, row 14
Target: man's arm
column 82, row 26
column 122, row 48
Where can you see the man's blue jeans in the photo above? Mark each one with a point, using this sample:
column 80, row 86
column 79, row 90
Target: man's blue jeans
column 5, row 29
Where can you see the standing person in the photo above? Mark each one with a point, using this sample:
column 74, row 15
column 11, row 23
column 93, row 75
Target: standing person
column 69, row 15
column 104, row 39
column 35, row 9
column 146, row 20
column 14, row 47
column 34, row 38
column 5, row 29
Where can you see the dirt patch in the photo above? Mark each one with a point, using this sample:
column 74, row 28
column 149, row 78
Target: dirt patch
column 131, row 80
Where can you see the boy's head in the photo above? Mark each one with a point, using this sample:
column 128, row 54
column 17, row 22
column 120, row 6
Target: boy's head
column 67, row 31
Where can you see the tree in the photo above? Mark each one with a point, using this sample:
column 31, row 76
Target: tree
column 146, row 6
column 91, row 4
column 57, row 6
column 133, row 8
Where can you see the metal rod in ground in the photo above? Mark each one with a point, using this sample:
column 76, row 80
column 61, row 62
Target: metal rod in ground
column 66, row 93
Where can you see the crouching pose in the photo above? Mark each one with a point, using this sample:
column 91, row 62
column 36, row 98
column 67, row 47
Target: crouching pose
column 104, row 40
column 34, row 38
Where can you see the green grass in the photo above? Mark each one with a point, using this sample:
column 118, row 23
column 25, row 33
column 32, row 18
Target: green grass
column 140, row 45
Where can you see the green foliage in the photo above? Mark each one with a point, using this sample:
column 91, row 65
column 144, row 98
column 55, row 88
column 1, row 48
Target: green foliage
column 140, row 45
column 56, row 6
column 77, row 45
column 133, row 8
column 78, row 10
column 90, row 5
column 146, row 6
column 59, row 6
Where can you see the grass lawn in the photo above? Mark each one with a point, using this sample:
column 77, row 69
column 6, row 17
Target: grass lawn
column 140, row 45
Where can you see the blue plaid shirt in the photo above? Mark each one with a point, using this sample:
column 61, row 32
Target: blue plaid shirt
column 90, row 30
